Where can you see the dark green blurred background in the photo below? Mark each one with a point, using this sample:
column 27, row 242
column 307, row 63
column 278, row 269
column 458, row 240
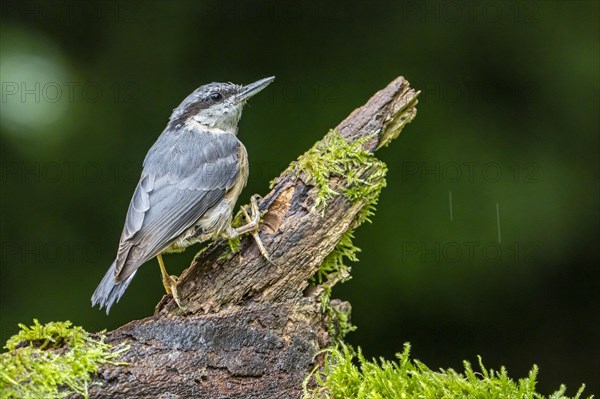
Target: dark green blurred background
column 507, row 131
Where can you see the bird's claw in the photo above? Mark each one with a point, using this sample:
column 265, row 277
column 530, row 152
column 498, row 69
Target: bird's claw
column 174, row 294
column 252, row 227
column 170, row 284
column 255, row 219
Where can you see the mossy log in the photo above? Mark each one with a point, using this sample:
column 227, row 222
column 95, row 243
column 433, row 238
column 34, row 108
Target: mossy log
column 252, row 329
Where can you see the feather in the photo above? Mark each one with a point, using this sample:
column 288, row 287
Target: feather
column 177, row 187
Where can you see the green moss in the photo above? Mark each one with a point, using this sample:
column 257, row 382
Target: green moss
column 52, row 361
column 344, row 377
column 338, row 317
column 233, row 244
column 335, row 166
column 342, row 322
column 338, row 167
column 233, row 247
column 334, row 157
column 334, row 267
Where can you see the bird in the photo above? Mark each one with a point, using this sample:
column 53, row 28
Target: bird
column 190, row 182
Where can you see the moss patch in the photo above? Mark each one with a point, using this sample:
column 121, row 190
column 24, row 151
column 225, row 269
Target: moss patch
column 338, row 167
column 334, row 157
column 347, row 374
column 334, row 267
column 233, row 244
column 52, row 361
column 338, row 317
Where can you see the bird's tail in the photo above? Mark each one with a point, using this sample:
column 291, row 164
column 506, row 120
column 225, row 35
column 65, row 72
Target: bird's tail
column 109, row 291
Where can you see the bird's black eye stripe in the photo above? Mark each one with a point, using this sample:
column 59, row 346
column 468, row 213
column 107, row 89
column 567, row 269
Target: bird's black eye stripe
column 216, row 96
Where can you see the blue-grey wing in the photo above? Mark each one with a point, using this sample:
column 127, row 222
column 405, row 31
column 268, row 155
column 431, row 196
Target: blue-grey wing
column 185, row 174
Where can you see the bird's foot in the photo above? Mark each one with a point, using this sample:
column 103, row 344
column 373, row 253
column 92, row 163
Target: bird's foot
column 170, row 284
column 255, row 219
column 252, row 227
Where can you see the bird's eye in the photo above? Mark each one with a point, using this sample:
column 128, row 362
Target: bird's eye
column 216, row 96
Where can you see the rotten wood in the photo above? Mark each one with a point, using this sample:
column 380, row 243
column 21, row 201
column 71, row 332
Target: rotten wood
column 252, row 329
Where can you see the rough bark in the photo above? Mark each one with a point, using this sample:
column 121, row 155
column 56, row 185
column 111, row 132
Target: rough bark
column 252, row 329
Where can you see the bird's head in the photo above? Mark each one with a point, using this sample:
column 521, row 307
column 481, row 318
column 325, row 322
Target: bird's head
column 216, row 105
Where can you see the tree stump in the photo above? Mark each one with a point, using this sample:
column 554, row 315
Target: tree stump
column 254, row 329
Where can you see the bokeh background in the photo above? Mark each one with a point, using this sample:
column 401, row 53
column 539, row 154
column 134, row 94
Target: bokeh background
column 486, row 239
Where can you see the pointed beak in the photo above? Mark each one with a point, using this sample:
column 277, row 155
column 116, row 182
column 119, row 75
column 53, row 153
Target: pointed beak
column 253, row 88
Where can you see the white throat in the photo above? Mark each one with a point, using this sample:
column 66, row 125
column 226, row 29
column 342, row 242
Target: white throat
column 196, row 122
